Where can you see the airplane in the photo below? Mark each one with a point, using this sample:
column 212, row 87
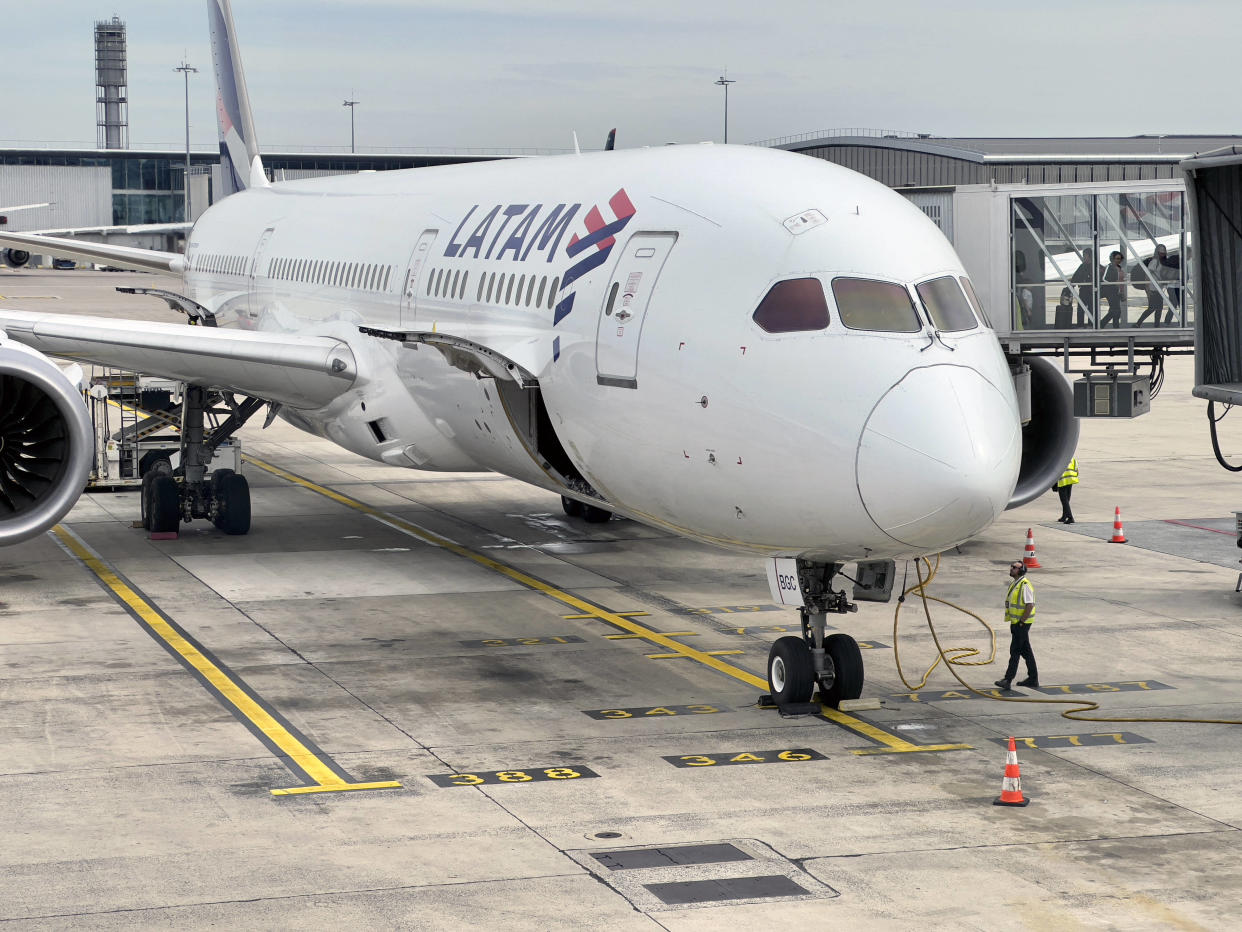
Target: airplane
column 747, row 347
column 16, row 258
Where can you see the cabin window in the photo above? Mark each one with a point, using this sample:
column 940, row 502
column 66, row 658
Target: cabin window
column 465, row 277
column 870, row 305
column 792, row 306
column 543, row 281
column 479, row 294
column 530, row 290
column 520, row 286
column 491, row 282
column 456, row 282
column 946, row 305
column 509, row 291
column 552, row 292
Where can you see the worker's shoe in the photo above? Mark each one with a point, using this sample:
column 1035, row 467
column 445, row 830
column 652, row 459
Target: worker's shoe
column 1029, row 681
column 1003, row 684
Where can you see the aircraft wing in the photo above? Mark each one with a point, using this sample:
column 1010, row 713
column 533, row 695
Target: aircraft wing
column 292, row 369
column 125, row 257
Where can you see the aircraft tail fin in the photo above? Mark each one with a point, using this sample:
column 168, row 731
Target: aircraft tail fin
column 239, row 148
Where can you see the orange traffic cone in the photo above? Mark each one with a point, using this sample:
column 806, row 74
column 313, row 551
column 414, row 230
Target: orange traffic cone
column 1119, row 534
column 1029, row 560
column 1011, row 785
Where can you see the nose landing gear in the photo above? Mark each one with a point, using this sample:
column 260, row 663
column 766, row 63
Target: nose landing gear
column 796, row 664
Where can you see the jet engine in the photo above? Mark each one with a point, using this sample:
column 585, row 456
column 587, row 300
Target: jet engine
column 1050, row 437
column 47, row 443
column 15, row 258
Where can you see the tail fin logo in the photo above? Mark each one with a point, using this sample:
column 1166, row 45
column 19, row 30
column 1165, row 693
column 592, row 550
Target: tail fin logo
column 600, row 234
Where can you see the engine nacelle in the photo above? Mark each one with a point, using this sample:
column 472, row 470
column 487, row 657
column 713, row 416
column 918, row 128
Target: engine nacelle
column 1050, row 437
column 47, row 443
column 15, row 258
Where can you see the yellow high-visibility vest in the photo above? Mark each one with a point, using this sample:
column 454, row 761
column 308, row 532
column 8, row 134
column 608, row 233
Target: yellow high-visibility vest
column 1015, row 604
column 1070, row 476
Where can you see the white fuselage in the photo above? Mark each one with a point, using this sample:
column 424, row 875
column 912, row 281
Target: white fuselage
column 665, row 395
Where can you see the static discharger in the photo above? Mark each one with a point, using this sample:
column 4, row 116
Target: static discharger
column 1011, row 785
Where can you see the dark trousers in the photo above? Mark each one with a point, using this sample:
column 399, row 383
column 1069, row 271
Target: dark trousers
column 1064, row 492
column 1155, row 304
column 1020, row 646
column 1115, row 307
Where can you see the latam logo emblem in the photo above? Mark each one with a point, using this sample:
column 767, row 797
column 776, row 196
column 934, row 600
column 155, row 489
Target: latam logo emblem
column 600, row 234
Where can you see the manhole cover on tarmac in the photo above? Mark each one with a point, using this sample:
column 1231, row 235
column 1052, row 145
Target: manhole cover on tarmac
column 739, row 870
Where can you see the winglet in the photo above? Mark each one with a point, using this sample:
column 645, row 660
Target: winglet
column 239, row 149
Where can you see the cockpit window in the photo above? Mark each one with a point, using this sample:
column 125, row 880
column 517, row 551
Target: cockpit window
column 794, row 305
column 869, row 305
column 947, row 305
column 975, row 303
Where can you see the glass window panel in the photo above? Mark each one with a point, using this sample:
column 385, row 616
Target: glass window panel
column 975, row 303
column 1056, row 274
column 793, row 306
column 870, row 305
column 946, row 305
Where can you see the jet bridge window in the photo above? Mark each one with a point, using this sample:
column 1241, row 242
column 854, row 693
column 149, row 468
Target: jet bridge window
column 946, row 305
column 870, row 305
column 797, row 304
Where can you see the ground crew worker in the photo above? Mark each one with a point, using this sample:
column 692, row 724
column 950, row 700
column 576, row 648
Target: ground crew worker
column 1064, row 486
column 1020, row 613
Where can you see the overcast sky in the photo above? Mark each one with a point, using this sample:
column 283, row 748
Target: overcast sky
column 451, row 74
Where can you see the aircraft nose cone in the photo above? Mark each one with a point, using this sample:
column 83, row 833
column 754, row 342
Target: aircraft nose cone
column 938, row 457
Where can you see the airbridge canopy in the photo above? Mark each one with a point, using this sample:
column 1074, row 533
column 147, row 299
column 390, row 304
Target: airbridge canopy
column 1214, row 197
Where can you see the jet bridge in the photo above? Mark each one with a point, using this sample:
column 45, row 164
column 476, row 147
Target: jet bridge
column 1214, row 197
column 1090, row 274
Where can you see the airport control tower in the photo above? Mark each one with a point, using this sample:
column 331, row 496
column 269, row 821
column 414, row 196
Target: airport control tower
column 111, row 102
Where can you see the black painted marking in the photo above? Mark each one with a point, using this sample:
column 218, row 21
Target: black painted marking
column 658, row 711
column 675, row 856
column 790, row 755
column 1102, row 739
column 731, row 609
column 1122, row 687
column 526, row 775
column 1072, row 689
column 684, row 892
column 525, row 642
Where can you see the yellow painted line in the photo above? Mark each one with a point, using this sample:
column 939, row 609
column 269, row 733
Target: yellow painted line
column 891, row 743
column 711, row 653
column 622, row 614
column 326, row 780
column 667, row 634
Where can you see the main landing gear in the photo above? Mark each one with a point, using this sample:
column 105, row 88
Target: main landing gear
column 171, row 496
column 589, row 513
column 796, row 664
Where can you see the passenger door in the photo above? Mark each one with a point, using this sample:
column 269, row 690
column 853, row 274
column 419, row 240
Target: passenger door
column 418, row 259
column 625, row 307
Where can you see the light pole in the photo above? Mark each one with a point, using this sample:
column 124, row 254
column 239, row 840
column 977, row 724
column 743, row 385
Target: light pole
column 351, row 104
column 185, row 70
column 725, row 82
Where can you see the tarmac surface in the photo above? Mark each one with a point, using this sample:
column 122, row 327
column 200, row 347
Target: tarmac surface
column 207, row 731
